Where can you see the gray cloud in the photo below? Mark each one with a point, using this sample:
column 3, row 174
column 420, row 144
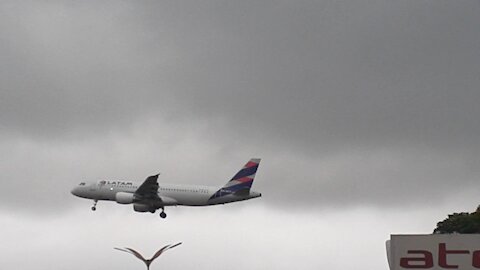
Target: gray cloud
column 362, row 96
column 364, row 112
column 331, row 72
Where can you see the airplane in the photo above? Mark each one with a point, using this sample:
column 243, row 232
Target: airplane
column 150, row 196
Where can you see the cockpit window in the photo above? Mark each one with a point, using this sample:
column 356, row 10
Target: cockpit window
column 82, row 184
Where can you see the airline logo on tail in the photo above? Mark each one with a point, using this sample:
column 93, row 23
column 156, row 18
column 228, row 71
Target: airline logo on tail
column 242, row 181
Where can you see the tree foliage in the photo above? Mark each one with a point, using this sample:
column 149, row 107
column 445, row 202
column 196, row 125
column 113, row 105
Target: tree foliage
column 460, row 223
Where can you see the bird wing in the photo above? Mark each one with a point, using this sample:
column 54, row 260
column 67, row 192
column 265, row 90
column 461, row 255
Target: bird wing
column 160, row 251
column 135, row 253
column 121, row 249
column 177, row 244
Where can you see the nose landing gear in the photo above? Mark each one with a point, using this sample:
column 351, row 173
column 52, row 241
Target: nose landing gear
column 94, row 207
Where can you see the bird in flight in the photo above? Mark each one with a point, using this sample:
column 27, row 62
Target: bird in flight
column 156, row 255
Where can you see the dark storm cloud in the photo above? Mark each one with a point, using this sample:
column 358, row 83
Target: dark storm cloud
column 70, row 67
column 322, row 75
column 315, row 72
column 364, row 96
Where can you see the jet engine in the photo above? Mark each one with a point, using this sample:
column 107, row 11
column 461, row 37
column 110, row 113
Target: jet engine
column 140, row 207
column 124, row 197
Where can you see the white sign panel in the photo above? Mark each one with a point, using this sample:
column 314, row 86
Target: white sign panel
column 434, row 251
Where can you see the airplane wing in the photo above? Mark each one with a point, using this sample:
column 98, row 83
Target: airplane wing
column 149, row 189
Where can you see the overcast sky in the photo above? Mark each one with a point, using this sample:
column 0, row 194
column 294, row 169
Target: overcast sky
column 364, row 112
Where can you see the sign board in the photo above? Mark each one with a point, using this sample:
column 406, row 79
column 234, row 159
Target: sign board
column 434, row 251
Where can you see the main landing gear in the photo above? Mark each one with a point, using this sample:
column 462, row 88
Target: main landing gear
column 94, row 207
column 163, row 214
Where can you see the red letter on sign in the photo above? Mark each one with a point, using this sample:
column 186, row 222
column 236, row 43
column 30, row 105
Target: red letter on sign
column 442, row 255
column 476, row 259
column 418, row 262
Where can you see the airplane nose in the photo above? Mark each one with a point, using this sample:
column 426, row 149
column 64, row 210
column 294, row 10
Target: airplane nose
column 74, row 191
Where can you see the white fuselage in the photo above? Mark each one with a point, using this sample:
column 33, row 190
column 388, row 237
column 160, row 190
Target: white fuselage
column 171, row 194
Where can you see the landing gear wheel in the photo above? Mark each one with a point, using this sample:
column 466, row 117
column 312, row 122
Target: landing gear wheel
column 94, row 205
column 163, row 215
